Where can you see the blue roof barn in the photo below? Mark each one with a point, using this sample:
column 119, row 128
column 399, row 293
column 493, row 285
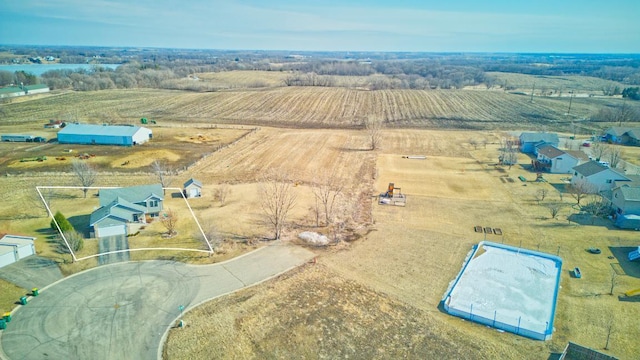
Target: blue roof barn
column 104, row 134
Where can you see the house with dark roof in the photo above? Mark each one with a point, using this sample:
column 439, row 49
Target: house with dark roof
column 623, row 135
column 529, row 141
column 577, row 352
column 192, row 188
column 123, row 210
column 104, row 135
column 598, row 176
column 557, row 161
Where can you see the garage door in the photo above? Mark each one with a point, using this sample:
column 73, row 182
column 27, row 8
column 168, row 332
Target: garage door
column 6, row 255
column 111, row 231
column 25, row 250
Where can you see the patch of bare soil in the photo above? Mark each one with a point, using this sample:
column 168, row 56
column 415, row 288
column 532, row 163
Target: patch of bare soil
column 315, row 313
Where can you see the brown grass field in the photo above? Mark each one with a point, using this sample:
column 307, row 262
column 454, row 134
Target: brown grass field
column 410, row 256
column 374, row 297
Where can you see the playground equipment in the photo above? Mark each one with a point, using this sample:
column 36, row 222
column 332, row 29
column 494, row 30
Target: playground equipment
column 635, row 254
column 632, row 292
column 393, row 196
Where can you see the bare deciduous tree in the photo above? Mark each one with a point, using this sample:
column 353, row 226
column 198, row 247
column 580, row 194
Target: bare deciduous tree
column 326, row 192
column 473, row 142
column 162, row 173
column 541, row 194
column 374, row 129
column 508, row 153
column 615, row 156
column 554, row 209
column 169, row 220
column 596, row 207
column 599, row 150
column 276, row 201
column 85, row 174
column 222, row 192
column 580, row 189
column 614, row 281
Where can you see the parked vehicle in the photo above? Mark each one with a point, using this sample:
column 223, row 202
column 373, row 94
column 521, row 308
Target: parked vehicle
column 577, row 273
column 17, row 138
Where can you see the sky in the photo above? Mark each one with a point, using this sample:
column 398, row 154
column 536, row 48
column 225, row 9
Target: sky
column 559, row 26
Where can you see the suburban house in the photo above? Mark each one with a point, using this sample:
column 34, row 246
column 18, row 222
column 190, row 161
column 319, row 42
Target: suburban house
column 104, row 134
column 623, row 136
column 557, row 161
column 192, row 188
column 124, row 210
column 529, row 141
column 598, row 176
column 14, row 248
column 14, row 91
column 626, row 199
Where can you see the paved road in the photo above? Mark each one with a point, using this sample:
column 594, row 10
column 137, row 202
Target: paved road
column 122, row 311
column 113, row 243
column 31, row 272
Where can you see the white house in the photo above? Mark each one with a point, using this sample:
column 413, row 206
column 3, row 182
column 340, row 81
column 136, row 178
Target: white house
column 557, row 161
column 626, row 199
column 14, row 248
column 192, row 188
column 598, row 176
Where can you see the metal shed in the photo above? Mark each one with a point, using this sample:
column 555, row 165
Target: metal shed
column 14, row 248
column 104, row 134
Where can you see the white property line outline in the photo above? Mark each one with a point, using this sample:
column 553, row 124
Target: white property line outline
column 73, row 255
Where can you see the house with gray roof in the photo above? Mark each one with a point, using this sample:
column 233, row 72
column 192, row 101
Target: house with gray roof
column 623, row 135
column 626, row 199
column 89, row 134
column 123, row 210
column 529, row 141
column 596, row 175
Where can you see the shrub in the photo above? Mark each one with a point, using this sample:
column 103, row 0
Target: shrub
column 63, row 223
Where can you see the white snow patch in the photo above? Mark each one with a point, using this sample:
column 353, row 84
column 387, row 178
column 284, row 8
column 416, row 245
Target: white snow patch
column 314, row 238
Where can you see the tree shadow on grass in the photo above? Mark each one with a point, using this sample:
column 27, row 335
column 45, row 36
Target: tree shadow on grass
column 80, row 224
column 621, row 253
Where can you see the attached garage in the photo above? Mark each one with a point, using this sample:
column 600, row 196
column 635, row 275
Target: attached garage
column 14, row 248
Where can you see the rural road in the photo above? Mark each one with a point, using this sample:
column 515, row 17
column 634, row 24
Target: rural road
column 122, row 311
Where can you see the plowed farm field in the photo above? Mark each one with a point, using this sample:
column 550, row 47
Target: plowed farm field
column 307, row 107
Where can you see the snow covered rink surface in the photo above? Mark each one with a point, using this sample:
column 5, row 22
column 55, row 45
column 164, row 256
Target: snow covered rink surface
column 508, row 288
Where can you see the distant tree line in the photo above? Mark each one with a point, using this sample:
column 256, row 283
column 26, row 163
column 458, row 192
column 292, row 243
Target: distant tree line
column 169, row 68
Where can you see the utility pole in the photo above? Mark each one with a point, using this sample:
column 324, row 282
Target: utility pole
column 570, row 100
column 532, row 90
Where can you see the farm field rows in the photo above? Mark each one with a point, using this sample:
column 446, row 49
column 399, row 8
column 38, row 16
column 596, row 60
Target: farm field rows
column 555, row 84
column 308, row 107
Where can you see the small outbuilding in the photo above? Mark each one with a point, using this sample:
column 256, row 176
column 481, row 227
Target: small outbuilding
column 14, row 248
column 192, row 188
column 104, row 134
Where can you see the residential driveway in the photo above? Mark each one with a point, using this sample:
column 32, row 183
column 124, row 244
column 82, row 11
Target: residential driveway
column 33, row 271
column 113, row 243
column 122, row 311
